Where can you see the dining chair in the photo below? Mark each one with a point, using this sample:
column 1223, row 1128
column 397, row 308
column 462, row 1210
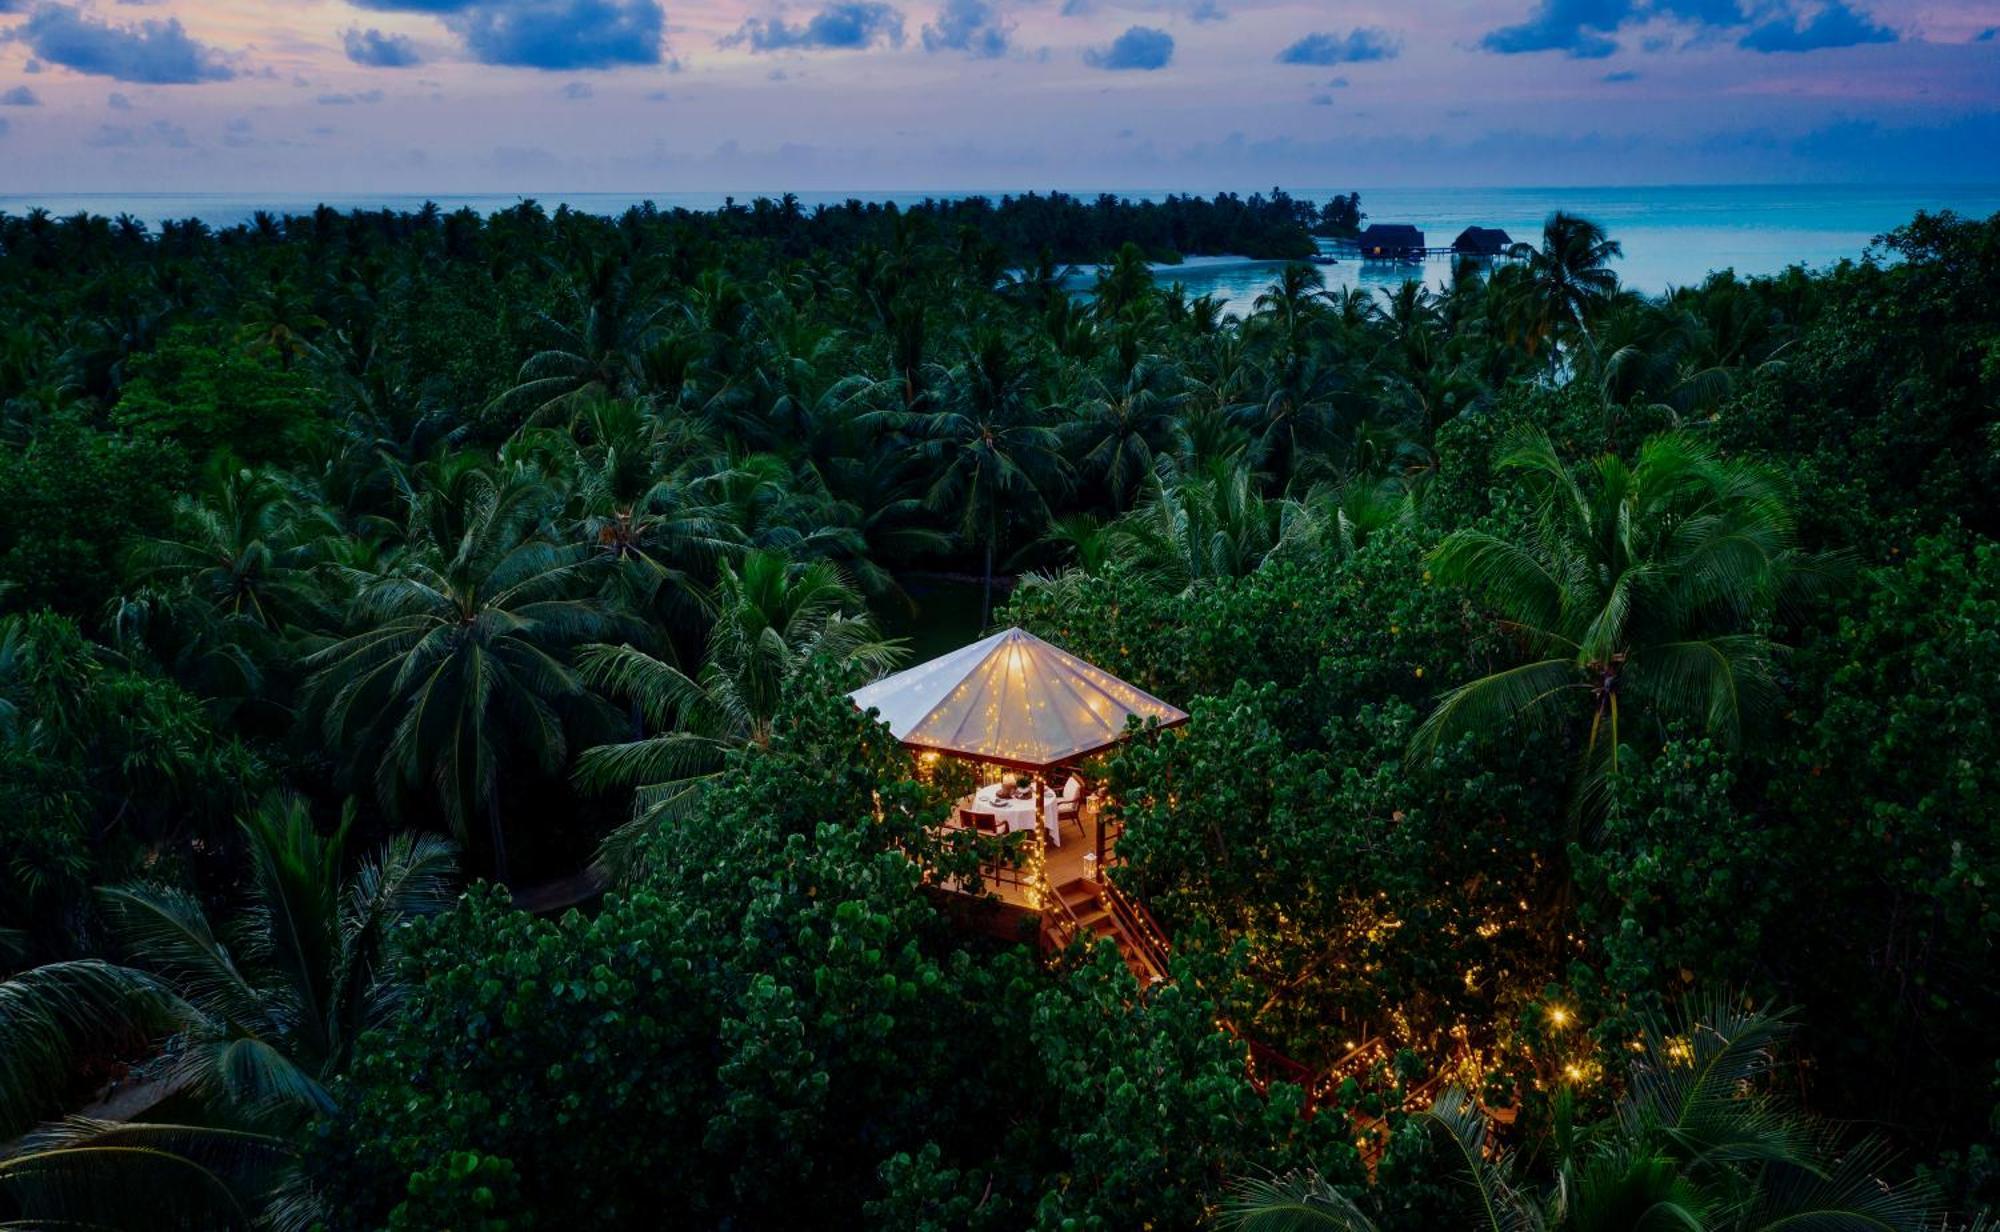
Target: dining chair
column 1069, row 809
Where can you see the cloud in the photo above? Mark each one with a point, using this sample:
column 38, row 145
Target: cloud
column 416, row 6
column 1835, row 25
column 1988, row 34
column 118, row 102
column 236, row 133
column 3, row 128
column 19, row 96
column 1577, row 27
column 657, row 96
column 970, row 26
column 1207, row 10
column 578, row 90
column 1586, row 29
column 153, row 52
column 375, row 49
column 121, row 137
column 1141, row 47
column 844, row 27
column 560, row 35
column 1620, row 77
column 1354, row 47
column 1322, row 100
column 348, row 100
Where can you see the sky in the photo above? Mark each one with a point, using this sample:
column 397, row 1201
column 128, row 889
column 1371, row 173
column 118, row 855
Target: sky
column 461, row 96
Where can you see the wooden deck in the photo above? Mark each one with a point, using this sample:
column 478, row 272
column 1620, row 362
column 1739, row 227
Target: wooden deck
column 1071, row 900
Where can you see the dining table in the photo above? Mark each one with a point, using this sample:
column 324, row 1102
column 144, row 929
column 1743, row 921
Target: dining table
column 1019, row 814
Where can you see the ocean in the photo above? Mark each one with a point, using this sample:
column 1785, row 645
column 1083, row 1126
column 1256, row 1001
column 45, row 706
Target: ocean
column 1672, row 236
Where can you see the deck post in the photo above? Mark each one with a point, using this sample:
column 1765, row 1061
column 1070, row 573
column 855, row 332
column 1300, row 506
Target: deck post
column 1080, row 797
column 1041, row 823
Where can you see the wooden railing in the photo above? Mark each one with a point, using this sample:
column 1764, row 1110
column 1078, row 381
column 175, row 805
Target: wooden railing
column 1063, row 921
column 998, row 871
column 1138, row 923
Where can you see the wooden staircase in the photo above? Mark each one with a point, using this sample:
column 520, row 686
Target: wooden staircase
column 1086, row 909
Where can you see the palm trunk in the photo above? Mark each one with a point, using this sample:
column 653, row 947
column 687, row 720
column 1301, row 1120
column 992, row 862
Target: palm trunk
column 986, row 604
column 498, row 834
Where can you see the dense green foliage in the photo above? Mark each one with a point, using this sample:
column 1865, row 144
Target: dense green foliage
column 1570, row 670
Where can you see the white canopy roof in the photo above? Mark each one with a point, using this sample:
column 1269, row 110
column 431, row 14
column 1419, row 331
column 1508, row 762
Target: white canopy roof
column 1011, row 698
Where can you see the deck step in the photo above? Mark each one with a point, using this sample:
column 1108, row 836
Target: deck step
column 1076, row 890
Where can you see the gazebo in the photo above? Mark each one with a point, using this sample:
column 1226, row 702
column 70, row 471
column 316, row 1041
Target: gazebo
column 1013, row 700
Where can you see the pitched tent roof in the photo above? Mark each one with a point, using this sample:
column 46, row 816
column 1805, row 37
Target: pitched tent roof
column 1011, row 698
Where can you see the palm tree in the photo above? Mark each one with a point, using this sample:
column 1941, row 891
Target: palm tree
column 1564, row 280
column 1694, row 1143
column 1642, row 585
column 1213, row 524
column 238, row 568
column 278, row 320
column 1293, row 308
column 455, row 669
column 1126, row 424
column 638, row 499
column 773, row 617
column 1127, row 281
column 266, row 1020
column 272, row 1019
column 598, row 350
column 1293, row 416
column 1041, row 283
column 989, row 454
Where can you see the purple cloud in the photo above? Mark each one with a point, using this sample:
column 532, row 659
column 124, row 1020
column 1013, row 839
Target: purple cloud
column 971, row 26
column 1579, row 28
column 375, row 49
column 1835, row 25
column 1355, row 47
column 153, row 52
column 561, row 35
column 1140, row 48
column 847, row 26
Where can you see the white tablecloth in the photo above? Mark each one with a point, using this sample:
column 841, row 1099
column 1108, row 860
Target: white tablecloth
column 1019, row 814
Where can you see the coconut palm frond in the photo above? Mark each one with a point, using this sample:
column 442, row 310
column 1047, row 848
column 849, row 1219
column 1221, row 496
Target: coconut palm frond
column 53, row 1014
column 110, row 1177
column 169, row 928
column 1525, row 692
column 1300, row 1202
column 1461, row 1125
column 1842, row 1191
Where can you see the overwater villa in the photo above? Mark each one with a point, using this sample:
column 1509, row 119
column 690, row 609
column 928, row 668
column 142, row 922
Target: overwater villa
column 1391, row 241
column 1028, row 716
column 1482, row 242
